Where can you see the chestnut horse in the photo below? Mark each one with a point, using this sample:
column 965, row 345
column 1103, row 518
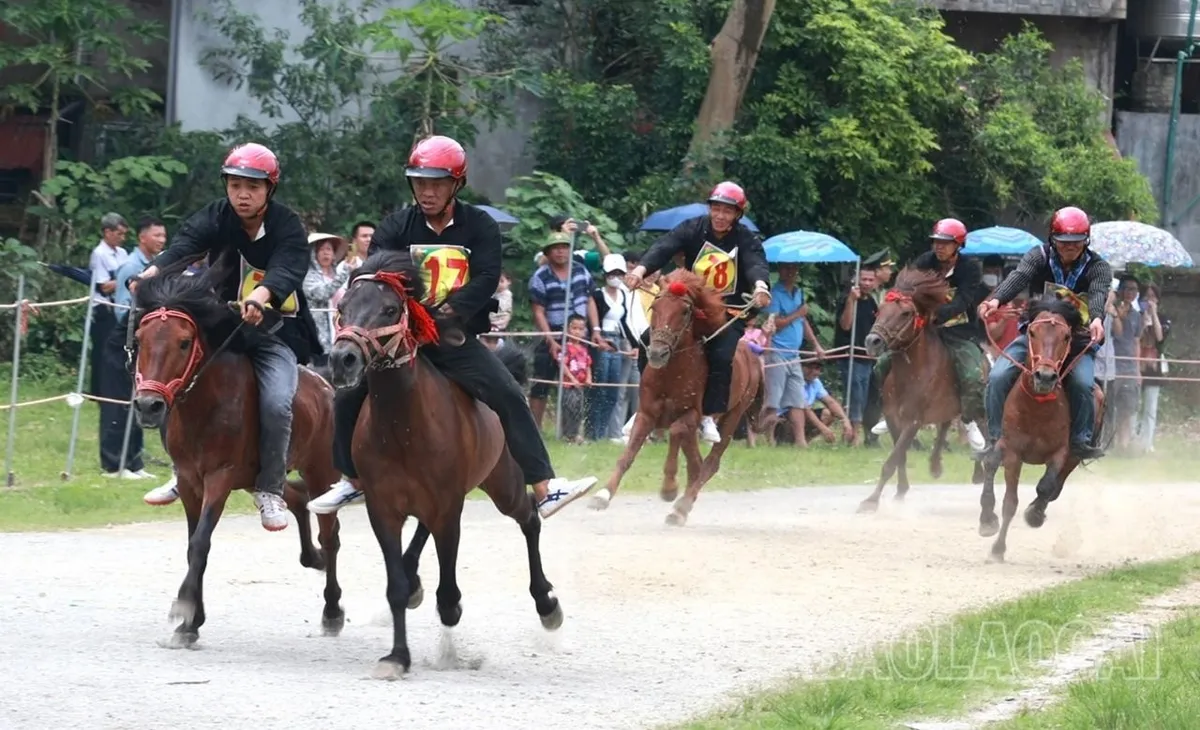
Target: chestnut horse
column 421, row 444
column 194, row 377
column 921, row 388
column 1037, row 421
column 686, row 314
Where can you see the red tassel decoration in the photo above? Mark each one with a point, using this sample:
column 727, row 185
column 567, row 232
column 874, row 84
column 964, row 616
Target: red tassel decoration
column 678, row 288
column 421, row 324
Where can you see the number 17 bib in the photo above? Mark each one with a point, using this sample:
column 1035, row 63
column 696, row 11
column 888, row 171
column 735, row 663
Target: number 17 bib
column 718, row 268
column 444, row 270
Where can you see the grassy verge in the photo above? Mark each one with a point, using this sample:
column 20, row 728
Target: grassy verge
column 42, row 500
column 1150, row 687
column 945, row 670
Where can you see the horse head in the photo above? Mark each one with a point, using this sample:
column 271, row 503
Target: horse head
column 684, row 311
column 381, row 322
column 906, row 310
column 1051, row 324
column 178, row 322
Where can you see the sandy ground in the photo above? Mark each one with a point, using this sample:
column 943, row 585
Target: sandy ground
column 662, row 623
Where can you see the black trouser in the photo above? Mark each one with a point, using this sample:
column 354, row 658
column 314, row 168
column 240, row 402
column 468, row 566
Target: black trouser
column 111, row 379
column 720, row 351
column 481, row 374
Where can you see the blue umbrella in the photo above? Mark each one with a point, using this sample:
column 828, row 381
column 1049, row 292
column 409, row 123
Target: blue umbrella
column 1000, row 240
column 498, row 215
column 807, row 247
column 665, row 220
column 74, row 273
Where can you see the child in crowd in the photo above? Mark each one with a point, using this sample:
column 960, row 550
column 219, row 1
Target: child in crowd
column 503, row 315
column 577, row 376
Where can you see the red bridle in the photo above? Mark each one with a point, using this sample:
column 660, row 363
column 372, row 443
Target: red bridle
column 423, row 330
column 901, row 298
column 170, row 390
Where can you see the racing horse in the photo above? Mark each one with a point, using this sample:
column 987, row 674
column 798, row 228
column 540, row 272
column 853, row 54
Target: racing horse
column 193, row 376
column 686, row 315
column 1037, row 421
column 421, row 444
column 921, row 388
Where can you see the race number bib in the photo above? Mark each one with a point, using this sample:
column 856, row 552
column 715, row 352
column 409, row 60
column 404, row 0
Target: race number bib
column 1061, row 292
column 717, row 268
column 961, row 318
column 444, row 270
column 253, row 278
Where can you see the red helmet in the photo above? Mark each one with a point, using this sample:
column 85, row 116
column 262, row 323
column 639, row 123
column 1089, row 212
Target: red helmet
column 729, row 193
column 254, row 161
column 950, row 229
column 1070, row 225
column 437, row 156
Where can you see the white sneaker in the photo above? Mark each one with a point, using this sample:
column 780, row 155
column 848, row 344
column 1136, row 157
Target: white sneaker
column 708, row 430
column 561, row 492
column 139, row 474
column 975, row 437
column 338, row 496
column 166, row 494
column 272, row 509
column 880, row 428
column 628, row 427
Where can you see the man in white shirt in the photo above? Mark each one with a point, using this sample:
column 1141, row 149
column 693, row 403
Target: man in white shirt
column 106, row 260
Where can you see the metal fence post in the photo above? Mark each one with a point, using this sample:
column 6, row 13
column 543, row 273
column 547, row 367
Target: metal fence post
column 569, row 302
column 83, row 361
column 16, row 368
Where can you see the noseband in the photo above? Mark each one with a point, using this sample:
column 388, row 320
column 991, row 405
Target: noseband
column 916, row 325
column 381, row 345
column 187, row 378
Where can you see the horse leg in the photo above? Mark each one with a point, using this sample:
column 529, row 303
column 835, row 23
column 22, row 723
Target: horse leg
column 642, row 426
column 387, row 533
column 449, row 597
column 895, row 459
column 989, row 524
column 670, row 485
column 935, row 456
column 1049, row 487
column 295, row 494
column 695, row 467
column 1012, row 478
column 188, row 606
column 412, row 559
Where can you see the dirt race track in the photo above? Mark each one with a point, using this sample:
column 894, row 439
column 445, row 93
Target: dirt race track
column 662, row 623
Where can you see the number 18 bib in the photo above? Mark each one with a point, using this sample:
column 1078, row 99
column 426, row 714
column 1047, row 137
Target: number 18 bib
column 717, row 268
column 444, row 270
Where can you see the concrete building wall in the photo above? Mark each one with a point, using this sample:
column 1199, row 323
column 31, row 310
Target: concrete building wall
column 1108, row 9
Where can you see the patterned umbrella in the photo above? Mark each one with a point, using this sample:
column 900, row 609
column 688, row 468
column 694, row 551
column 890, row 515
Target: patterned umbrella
column 1128, row 242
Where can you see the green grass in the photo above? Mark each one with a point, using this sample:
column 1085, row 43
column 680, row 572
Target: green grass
column 1153, row 686
column 42, row 500
column 946, row 670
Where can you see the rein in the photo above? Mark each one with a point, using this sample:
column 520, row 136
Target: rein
column 673, row 337
column 382, row 352
column 171, row 390
column 1036, row 360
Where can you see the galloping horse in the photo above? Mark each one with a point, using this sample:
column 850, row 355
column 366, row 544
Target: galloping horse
column 921, row 388
column 192, row 375
column 686, row 313
column 1037, row 421
column 420, row 445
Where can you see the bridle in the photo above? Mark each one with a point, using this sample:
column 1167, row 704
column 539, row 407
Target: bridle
column 916, row 325
column 1037, row 360
column 196, row 363
column 381, row 345
column 670, row 338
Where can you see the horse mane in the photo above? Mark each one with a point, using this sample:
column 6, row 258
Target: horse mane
column 1057, row 306
column 705, row 300
column 197, row 296
column 927, row 287
column 395, row 262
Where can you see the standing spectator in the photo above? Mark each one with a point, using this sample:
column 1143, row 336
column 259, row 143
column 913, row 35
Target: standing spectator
column 578, row 380
column 325, row 278
column 591, row 260
column 1156, row 327
column 612, row 364
column 1127, row 329
column 856, row 368
column 637, row 317
column 788, row 324
column 548, row 296
column 107, row 258
column 360, row 241
column 883, row 265
column 116, row 382
column 1106, row 367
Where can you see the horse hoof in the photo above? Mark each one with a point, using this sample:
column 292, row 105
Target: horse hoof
column 601, row 499
column 996, row 557
column 332, row 625
column 553, row 620
column 669, row 495
column 868, row 506
column 181, row 640
column 389, row 670
column 182, row 611
column 416, row 597
column 935, row 471
column 989, row 528
column 1035, row 515
column 676, row 519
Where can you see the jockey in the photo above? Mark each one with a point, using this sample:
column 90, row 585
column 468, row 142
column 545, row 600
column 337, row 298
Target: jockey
column 271, row 239
column 441, row 225
column 1069, row 268
column 730, row 259
column 956, row 320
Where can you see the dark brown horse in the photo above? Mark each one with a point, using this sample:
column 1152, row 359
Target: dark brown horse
column 421, row 444
column 921, row 388
column 193, row 375
column 1037, row 422
column 672, row 388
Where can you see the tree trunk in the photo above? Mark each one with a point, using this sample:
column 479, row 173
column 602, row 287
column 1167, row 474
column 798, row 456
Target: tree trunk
column 734, row 53
column 49, row 163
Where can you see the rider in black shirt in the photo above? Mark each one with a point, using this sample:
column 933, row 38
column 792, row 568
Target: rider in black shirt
column 730, row 259
column 458, row 245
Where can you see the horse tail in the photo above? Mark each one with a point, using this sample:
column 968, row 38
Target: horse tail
column 516, row 361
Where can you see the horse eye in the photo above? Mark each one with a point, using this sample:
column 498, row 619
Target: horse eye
column 185, row 344
column 391, row 310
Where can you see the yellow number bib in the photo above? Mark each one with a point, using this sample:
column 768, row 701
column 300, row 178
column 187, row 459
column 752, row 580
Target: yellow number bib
column 444, row 270
column 717, row 268
column 254, row 277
